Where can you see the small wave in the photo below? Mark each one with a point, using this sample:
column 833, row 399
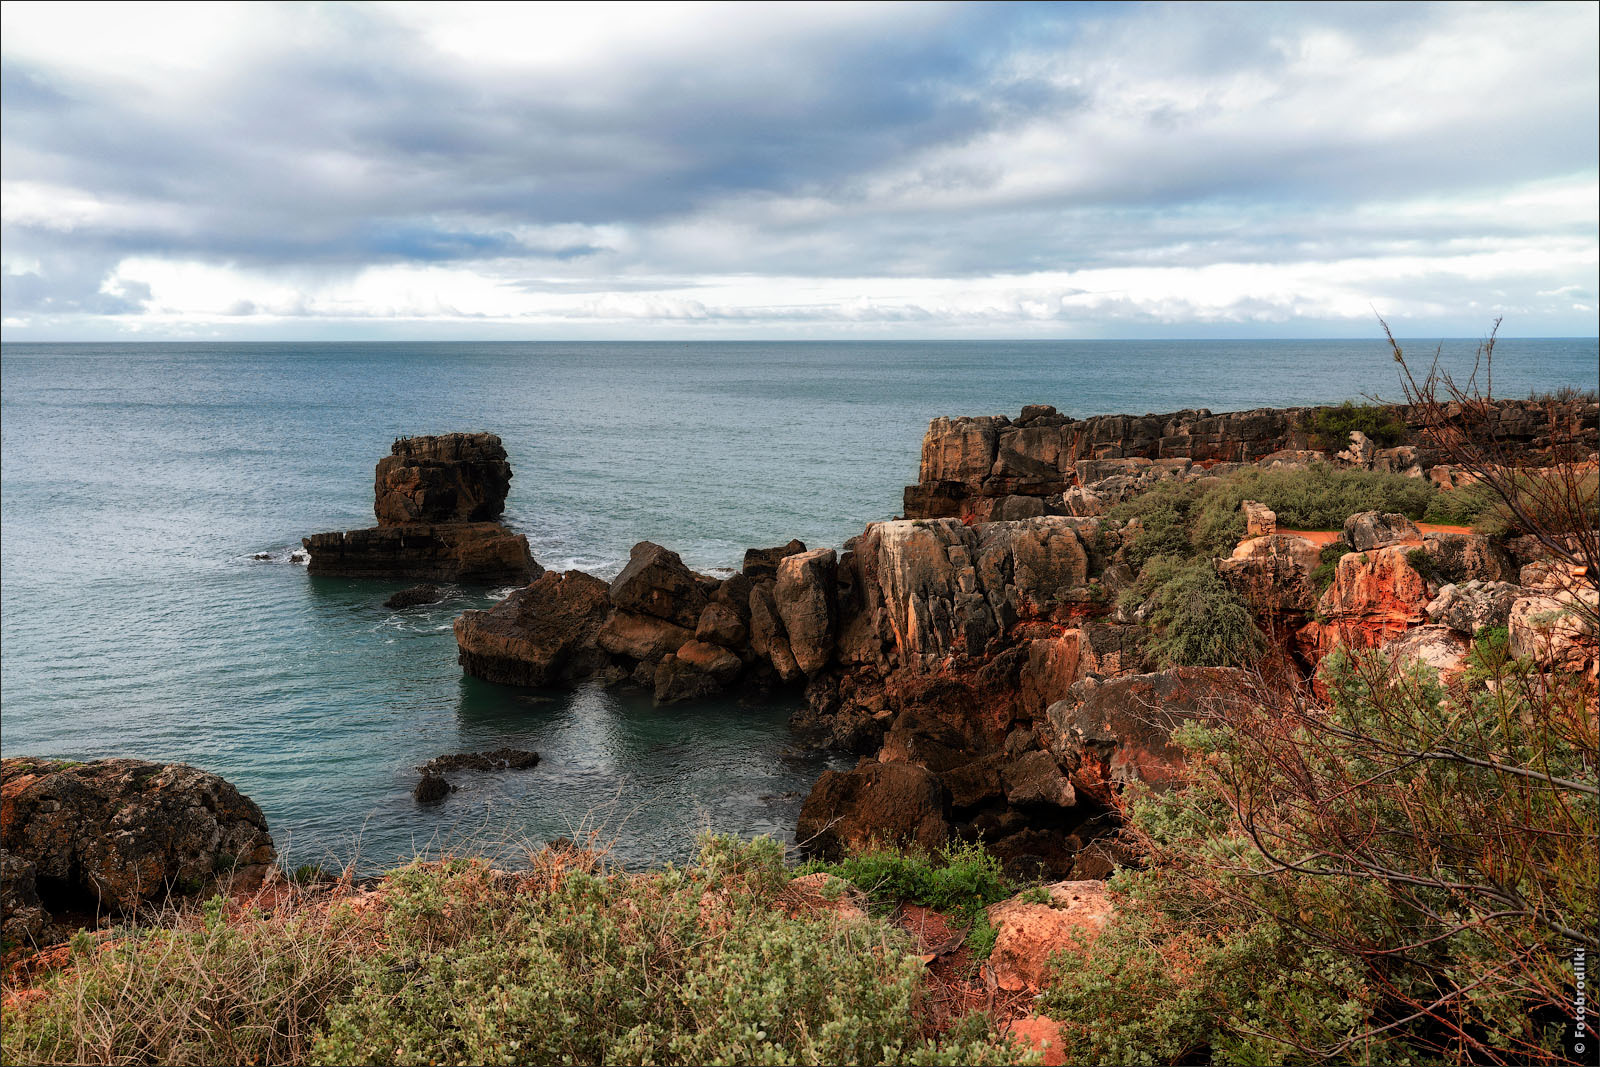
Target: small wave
column 292, row 554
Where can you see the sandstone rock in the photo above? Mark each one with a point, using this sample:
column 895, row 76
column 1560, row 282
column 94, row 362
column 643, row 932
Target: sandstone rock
column 1054, row 664
column 642, row 637
column 1110, row 732
column 721, row 625
column 1405, row 460
column 1259, row 520
column 960, row 450
column 768, row 638
column 805, row 603
column 1360, row 450
column 874, row 804
column 416, row 596
column 1274, row 573
column 1556, row 629
column 1042, row 1034
column 1459, row 557
column 1439, row 648
column 24, row 918
column 761, row 564
column 1035, row 778
column 542, row 634
column 1027, row 935
column 1471, row 606
column 111, row 834
column 678, row 679
column 1368, row 530
column 711, row 659
column 457, row 477
column 481, row 552
column 1375, row 596
column 656, row 582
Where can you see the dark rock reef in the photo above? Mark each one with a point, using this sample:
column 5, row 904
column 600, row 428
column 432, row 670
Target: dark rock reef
column 437, row 500
column 107, row 836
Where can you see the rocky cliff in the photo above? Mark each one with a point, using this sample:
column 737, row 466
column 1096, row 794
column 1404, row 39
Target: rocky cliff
column 984, row 669
column 436, row 499
column 1043, row 462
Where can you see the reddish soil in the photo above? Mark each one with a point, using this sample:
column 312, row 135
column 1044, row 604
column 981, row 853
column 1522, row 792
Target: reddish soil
column 1323, row 538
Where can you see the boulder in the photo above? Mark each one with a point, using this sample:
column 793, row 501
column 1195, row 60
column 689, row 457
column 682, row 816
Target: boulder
column 1459, row 557
column 1472, row 606
column 1029, row 934
column 22, row 918
column 1259, row 520
column 873, row 804
column 642, row 637
column 1109, row 732
column 416, row 596
column 804, row 596
column 961, row 449
column 431, row 789
column 1439, row 648
column 1034, row 778
column 656, row 582
column 543, row 634
column 109, row 835
column 479, row 552
column 710, row 659
column 1557, row 630
column 1368, row 530
column 768, row 638
column 720, row 624
column 456, row 477
column 1273, row 572
column 676, row 680
column 761, row 564
column 1360, row 450
column 500, row 759
column 1375, row 596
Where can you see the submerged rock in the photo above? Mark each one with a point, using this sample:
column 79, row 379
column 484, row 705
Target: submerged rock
column 416, row 596
column 109, row 835
column 500, row 759
column 432, row 789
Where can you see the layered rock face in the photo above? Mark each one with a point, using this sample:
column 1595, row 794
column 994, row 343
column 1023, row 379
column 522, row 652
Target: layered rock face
column 436, row 499
column 455, row 477
column 107, row 836
column 1043, row 462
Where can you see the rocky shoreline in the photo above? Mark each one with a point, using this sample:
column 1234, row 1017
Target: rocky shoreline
column 987, row 657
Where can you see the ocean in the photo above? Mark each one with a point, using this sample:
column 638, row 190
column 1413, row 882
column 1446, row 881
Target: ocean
column 139, row 481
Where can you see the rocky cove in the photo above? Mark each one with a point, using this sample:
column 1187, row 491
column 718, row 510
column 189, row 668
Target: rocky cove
column 987, row 658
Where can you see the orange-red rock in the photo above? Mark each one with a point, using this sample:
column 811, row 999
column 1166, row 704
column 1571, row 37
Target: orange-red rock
column 1028, row 935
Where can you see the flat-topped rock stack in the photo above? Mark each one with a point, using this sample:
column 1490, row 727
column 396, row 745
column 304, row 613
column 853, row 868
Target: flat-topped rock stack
column 994, row 467
column 438, row 501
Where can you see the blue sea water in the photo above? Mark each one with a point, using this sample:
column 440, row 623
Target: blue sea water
column 137, row 482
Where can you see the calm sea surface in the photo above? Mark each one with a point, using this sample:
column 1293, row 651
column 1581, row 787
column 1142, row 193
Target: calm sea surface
column 139, row 480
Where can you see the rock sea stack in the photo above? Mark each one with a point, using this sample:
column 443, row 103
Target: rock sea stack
column 437, row 500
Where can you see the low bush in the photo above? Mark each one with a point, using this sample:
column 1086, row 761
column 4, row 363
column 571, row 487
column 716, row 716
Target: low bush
column 1399, row 875
column 1204, row 518
column 1330, row 427
column 461, row 964
column 1198, row 620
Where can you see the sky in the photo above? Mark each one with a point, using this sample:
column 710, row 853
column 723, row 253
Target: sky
column 775, row 171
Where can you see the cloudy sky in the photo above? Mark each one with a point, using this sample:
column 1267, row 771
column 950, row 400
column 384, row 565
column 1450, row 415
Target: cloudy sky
column 746, row 171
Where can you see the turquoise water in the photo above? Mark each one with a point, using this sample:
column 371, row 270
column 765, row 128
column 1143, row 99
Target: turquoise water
column 139, row 480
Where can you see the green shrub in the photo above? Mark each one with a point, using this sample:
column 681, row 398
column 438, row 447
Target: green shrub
column 692, row 966
column 462, row 965
column 1328, row 565
column 1330, row 427
column 1198, row 619
column 1191, row 519
column 1332, row 885
column 961, row 879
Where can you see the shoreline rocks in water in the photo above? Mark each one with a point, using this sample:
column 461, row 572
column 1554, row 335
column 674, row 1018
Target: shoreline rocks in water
column 416, row 596
column 437, row 501
column 433, row 787
column 966, row 650
column 108, row 836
